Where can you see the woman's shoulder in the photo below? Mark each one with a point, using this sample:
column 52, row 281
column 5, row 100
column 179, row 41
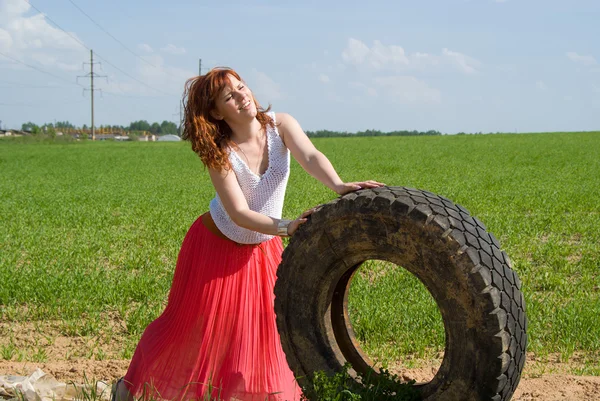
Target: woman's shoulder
column 283, row 120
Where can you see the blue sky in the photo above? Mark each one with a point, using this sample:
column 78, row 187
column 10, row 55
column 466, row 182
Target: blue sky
column 448, row 65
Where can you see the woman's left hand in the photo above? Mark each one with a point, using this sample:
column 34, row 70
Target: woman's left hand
column 355, row 186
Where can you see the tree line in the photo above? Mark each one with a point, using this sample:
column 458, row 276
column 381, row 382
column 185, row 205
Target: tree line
column 164, row 128
column 168, row 127
column 370, row 132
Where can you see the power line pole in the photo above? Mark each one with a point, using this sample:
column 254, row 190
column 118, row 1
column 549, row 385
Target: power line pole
column 199, row 66
column 92, row 75
column 180, row 118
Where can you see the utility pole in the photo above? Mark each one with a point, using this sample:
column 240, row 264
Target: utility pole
column 181, row 119
column 92, row 84
column 199, row 66
column 92, row 75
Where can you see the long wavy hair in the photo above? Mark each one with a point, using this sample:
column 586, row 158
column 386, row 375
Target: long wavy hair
column 210, row 137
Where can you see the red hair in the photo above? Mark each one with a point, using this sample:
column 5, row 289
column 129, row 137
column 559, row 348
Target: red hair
column 210, row 137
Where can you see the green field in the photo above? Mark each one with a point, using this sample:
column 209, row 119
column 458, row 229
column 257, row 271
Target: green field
column 89, row 235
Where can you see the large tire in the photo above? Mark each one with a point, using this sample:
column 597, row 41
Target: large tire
column 449, row 251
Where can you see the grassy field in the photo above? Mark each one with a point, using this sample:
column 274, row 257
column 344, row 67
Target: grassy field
column 89, row 235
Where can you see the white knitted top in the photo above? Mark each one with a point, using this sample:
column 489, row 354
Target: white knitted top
column 264, row 194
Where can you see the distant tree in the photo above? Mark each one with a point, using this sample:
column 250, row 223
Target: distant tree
column 155, row 128
column 29, row 126
column 168, row 127
column 63, row 124
column 141, row 125
column 50, row 131
column 369, row 132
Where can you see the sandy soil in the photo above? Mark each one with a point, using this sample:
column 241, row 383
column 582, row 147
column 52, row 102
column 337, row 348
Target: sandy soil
column 536, row 386
column 73, row 358
column 533, row 386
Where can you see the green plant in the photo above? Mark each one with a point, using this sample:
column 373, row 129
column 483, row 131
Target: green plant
column 88, row 391
column 40, row 355
column 7, row 351
column 341, row 387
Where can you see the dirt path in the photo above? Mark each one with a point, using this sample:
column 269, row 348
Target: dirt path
column 533, row 386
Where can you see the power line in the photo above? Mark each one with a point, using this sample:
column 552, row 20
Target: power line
column 38, row 69
column 113, row 37
column 58, row 26
column 44, row 104
column 128, row 96
column 97, row 54
column 24, row 86
column 135, row 79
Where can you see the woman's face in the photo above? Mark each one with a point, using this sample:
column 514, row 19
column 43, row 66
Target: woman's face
column 235, row 102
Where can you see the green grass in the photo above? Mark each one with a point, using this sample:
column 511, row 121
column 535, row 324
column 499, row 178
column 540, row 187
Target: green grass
column 90, row 232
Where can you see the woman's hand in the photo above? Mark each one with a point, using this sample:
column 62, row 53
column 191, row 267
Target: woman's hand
column 300, row 220
column 355, row 186
column 341, row 190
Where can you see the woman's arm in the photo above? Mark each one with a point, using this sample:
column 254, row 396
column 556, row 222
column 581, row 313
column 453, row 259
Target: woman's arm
column 235, row 205
column 312, row 160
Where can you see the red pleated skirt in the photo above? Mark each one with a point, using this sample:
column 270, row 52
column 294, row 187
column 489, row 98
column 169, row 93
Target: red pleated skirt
column 217, row 338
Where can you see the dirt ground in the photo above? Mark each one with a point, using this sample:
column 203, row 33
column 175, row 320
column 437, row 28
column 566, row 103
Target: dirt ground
column 533, row 386
column 69, row 359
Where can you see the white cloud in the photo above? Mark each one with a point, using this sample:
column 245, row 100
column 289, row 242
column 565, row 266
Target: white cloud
column 265, row 89
column 392, row 57
column 355, row 52
column 587, row 60
column 324, row 78
column 172, row 49
column 11, row 9
column 541, row 85
column 145, row 47
column 464, row 63
column 35, row 33
column 33, row 38
column 378, row 57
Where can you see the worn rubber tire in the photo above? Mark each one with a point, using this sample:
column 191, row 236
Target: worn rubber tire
column 448, row 250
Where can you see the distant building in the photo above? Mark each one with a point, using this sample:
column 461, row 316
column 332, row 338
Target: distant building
column 104, row 137
column 169, row 138
column 146, row 138
column 12, row 132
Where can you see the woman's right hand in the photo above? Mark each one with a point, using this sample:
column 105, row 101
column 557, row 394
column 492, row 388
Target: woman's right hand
column 300, row 220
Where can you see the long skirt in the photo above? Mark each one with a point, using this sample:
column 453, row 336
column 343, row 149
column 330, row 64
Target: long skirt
column 217, row 338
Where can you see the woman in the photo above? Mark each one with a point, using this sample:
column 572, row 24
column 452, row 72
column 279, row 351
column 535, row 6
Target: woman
column 217, row 336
